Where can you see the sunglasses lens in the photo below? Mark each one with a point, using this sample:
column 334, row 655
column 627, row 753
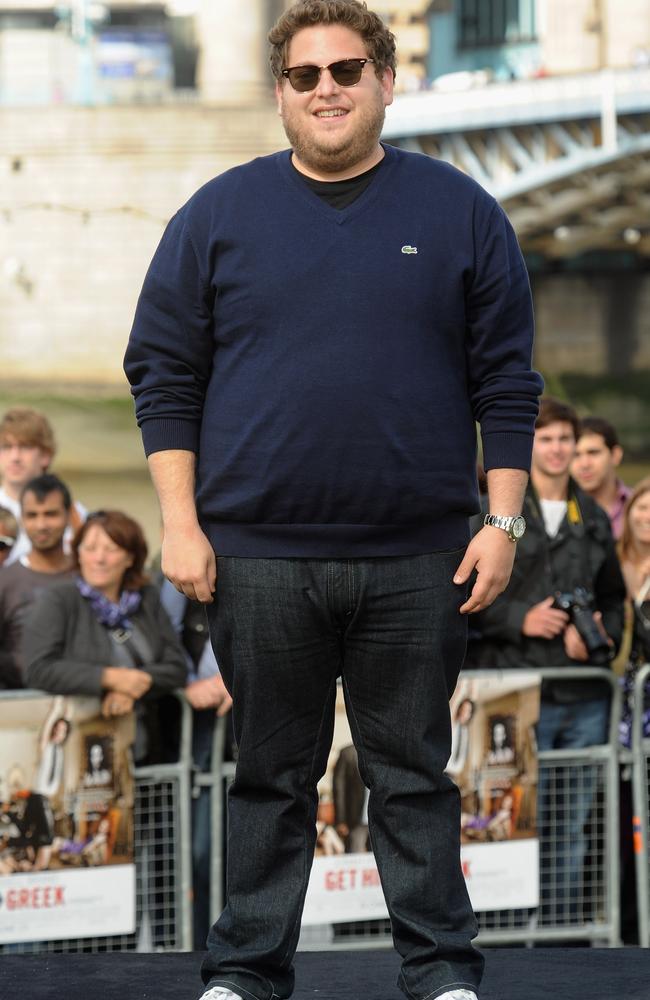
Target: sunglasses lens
column 347, row 72
column 304, row 78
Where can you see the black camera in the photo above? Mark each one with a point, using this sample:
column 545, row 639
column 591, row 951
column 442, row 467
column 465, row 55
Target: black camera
column 578, row 605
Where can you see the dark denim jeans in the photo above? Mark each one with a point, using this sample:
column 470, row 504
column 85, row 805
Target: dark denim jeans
column 565, row 803
column 283, row 630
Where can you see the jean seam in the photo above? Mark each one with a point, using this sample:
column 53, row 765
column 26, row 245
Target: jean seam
column 361, row 751
column 330, row 585
column 305, row 840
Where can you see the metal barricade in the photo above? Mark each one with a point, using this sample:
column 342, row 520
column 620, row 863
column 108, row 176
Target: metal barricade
column 641, row 800
column 594, row 911
column 162, row 847
column 574, row 904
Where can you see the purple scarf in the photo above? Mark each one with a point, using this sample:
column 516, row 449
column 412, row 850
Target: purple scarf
column 107, row 613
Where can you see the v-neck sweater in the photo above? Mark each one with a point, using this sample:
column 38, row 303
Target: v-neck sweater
column 328, row 365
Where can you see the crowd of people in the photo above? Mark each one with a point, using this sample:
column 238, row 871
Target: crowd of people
column 82, row 612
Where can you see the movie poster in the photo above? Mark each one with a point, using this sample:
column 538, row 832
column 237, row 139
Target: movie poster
column 66, row 820
column 494, row 763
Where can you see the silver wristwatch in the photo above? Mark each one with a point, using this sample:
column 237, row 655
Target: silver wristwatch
column 514, row 527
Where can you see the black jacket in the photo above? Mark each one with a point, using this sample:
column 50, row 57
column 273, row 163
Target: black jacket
column 582, row 554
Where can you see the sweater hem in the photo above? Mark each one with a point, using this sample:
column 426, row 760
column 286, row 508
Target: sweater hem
column 337, row 541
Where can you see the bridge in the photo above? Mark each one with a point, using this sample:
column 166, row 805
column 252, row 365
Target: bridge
column 568, row 157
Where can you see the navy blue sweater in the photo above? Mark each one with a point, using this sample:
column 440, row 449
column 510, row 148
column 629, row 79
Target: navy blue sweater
column 328, row 366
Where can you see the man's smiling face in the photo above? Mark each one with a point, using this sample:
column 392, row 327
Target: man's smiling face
column 333, row 130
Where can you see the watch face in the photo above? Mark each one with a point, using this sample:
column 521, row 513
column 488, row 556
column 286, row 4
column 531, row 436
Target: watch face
column 518, row 527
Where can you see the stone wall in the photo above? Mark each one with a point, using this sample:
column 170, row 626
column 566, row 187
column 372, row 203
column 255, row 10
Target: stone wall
column 84, row 197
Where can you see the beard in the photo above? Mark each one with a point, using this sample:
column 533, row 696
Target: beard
column 329, row 155
column 48, row 546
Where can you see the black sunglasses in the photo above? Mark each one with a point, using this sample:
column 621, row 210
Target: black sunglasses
column 6, row 542
column 346, row 73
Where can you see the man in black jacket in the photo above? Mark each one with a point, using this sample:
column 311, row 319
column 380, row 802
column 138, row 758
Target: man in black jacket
column 567, row 550
column 568, row 545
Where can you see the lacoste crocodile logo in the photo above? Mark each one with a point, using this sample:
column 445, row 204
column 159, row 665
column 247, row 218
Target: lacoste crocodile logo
column 409, row 249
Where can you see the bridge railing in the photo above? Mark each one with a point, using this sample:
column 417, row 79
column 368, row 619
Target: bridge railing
column 519, row 102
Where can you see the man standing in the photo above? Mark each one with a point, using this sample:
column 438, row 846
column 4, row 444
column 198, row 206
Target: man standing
column 316, row 336
column 595, row 468
column 567, row 549
column 27, row 447
column 568, row 546
column 45, row 510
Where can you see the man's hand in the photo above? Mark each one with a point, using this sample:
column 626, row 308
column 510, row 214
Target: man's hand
column 189, row 562
column 127, row 680
column 574, row 645
column 188, row 559
column 209, row 693
column 543, row 621
column 114, row 704
column 491, row 554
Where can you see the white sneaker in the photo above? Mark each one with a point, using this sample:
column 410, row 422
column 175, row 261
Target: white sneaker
column 458, row 995
column 221, row 993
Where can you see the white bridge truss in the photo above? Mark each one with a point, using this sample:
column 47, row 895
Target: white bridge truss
column 569, row 157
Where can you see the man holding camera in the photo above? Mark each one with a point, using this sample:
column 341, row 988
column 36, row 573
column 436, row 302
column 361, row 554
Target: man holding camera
column 562, row 607
column 564, row 602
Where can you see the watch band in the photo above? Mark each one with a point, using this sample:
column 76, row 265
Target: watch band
column 514, row 525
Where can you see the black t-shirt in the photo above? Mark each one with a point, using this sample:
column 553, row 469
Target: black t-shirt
column 340, row 194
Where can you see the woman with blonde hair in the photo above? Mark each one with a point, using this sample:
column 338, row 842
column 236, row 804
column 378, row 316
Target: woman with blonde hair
column 634, row 546
column 634, row 556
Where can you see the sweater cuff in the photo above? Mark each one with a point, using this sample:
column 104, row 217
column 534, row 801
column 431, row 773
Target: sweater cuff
column 507, row 450
column 169, row 434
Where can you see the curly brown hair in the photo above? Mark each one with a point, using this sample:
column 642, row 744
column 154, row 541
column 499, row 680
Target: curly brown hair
column 353, row 14
column 126, row 533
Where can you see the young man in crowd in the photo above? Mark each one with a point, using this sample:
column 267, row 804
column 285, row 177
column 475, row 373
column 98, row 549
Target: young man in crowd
column 595, row 468
column 316, row 337
column 45, row 513
column 27, row 447
column 568, row 550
